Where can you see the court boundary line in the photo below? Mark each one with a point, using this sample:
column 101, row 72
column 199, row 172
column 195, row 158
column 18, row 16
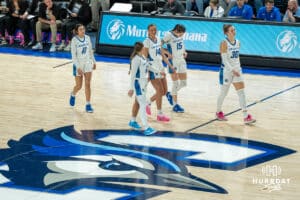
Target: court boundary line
column 239, row 109
column 63, row 64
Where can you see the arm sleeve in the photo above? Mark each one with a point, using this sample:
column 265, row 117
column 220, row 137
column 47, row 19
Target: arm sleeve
column 134, row 67
column 74, row 54
column 225, row 61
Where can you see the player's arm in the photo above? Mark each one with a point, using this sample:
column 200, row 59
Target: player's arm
column 134, row 65
column 74, row 56
column 91, row 54
column 223, row 51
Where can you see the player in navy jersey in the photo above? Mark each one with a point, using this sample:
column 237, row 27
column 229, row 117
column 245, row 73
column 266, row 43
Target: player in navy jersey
column 231, row 72
column 154, row 52
column 177, row 63
column 138, row 84
column 83, row 64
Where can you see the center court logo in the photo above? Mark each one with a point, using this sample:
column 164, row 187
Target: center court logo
column 271, row 178
column 115, row 29
column 115, row 164
column 286, row 41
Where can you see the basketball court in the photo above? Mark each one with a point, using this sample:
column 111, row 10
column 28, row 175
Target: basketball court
column 52, row 151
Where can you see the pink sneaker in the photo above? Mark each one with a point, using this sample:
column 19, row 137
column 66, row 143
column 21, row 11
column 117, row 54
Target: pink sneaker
column 148, row 109
column 163, row 118
column 249, row 119
column 220, row 116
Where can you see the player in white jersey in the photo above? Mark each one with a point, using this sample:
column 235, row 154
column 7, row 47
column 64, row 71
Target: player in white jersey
column 154, row 52
column 83, row 64
column 138, row 83
column 177, row 65
column 231, row 72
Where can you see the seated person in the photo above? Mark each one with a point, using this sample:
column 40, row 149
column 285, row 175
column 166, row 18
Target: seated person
column 269, row 12
column 214, row 10
column 196, row 5
column 241, row 10
column 79, row 13
column 173, row 7
column 3, row 20
column 47, row 18
column 33, row 18
column 292, row 10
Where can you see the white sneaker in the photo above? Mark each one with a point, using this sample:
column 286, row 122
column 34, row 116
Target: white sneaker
column 38, row 46
column 61, row 46
column 52, row 48
column 68, row 47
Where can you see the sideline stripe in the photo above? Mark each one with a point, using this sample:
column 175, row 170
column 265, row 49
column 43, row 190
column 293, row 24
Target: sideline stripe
column 252, row 104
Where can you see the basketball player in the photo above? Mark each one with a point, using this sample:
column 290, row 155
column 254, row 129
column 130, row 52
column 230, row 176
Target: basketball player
column 177, row 65
column 153, row 51
column 231, row 72
column 138, row 84
column 83, row 64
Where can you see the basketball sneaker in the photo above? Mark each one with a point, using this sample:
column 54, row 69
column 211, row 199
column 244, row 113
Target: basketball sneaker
column 134, row 125
column 249, row 119
column 38, row 46
column 61, row 46
column 148, row 109
column 72, row 100
column 170, row 98
column 177, row 108
column 88, row 108
column 52, row 48
column 220, row 116
column 162, row 118
column 149, row 131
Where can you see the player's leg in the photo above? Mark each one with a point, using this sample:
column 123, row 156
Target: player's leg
column 135, row 109
column 240, row 89
column 77, row 87
column 225, row 79
column 87, row 86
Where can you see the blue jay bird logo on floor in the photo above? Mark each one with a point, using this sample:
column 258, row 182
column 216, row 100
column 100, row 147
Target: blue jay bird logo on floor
column 117, row 163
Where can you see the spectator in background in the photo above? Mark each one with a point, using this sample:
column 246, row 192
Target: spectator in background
column 292, row 10
column 196, row 5
column 48, row 15
column 173, row 7
column 3, row 20
column 269, row 12
column 79, row 13
column 18, row 19
column 241, row 10
column 96, row 5
column 33, row 18
column 214, row 10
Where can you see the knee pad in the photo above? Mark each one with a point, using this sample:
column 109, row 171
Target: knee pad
column 175, row 87
column 183, row 83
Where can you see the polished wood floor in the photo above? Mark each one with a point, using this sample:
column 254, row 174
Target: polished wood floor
column 34, row 96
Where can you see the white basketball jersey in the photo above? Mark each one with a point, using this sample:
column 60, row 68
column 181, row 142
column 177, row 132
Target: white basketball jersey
column 175, row 45
column 82, row 52
column 233, row 51
column 154, row 52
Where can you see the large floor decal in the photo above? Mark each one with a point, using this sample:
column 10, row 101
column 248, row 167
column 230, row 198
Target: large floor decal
column 117, row 163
